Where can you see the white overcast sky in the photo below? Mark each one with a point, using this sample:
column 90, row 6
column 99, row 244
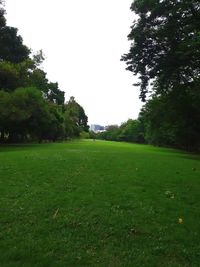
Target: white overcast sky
column 83, row 41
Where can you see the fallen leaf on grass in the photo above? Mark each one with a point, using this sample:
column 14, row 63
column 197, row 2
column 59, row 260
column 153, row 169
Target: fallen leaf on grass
column 55, row 214
column 180, row 220
column 169, row 194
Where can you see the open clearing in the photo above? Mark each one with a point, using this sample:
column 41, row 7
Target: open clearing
column 87, row 203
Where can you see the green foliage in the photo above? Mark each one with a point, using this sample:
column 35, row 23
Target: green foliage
column 165, row 54
column 23, row 113
column 111, row 134
column 54, row 124
column 54, row 94
column 31, row 107
column 9, row 77
column 75, row 118
column 2, row 12
column 172, row 119
column 11, row 46
column 50, row 90
column 14, row 75
column 98, row 204
column 85, row 135
column 165, row 40
column 130, row 131
column 38, row 79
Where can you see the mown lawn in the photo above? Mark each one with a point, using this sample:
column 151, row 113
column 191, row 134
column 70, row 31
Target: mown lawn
column 87, row 203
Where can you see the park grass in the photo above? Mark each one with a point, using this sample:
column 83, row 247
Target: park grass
column 87, row 203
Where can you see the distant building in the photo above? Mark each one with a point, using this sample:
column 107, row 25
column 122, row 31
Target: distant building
column 97, row 128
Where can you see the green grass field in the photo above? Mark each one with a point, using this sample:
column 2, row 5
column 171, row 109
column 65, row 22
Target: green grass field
column 87, row 203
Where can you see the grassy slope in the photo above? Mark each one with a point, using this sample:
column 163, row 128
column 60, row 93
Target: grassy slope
column 98, row 204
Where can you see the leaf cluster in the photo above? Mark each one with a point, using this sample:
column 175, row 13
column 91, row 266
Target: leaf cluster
column 32, row 107
column 165, row 44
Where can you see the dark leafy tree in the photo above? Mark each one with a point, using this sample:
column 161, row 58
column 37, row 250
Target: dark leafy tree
column 53, row 127
column 38, row 79
column 54, row 94
column 165, row 45
column 31, row 107
column 9, row 76
column 50, row 90
column 4, row 114
column 18, row 110
column 132, row 131
column 12, row 48
column 165, row 54
column 172, row 119
column 2, row 17
column 112, row 133
column 75, row 118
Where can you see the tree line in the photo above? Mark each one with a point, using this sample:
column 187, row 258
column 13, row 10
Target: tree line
column 32, row 107
column 165, row 55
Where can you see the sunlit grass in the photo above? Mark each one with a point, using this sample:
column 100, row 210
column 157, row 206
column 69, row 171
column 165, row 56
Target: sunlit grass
column 99, row 203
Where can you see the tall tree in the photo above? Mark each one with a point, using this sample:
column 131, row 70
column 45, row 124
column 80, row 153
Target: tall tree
column 165, row 44
column 11, row 45
column 173, row 120
column 54, row 94
column 76, row 118
column 30, row 105
column 2, row 17
column 12, row 48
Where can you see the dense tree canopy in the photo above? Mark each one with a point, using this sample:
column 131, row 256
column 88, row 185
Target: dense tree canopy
column 173, row 120
column 129, row 131
column 2, row 18
column 11, row 46
column 31, row 107
column 165, row 54
column 165, row 45
column 75, row 117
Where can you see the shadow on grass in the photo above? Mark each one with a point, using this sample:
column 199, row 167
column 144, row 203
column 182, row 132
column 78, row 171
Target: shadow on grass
column 175, row 151
column 20, row 147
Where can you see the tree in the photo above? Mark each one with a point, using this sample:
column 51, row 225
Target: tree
column 172, row 120
column 54, row 94
column 12, row 48
column 165, row 55
column 4, row 113
column 23, row 112
column 52, row 125
column 159, row 121
column 19, row 69
column 112, row 133
column 165, row 44
column 75, row 118
column 32, row 107
column 38, row 78
column 2, row 17
column 132, row 131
